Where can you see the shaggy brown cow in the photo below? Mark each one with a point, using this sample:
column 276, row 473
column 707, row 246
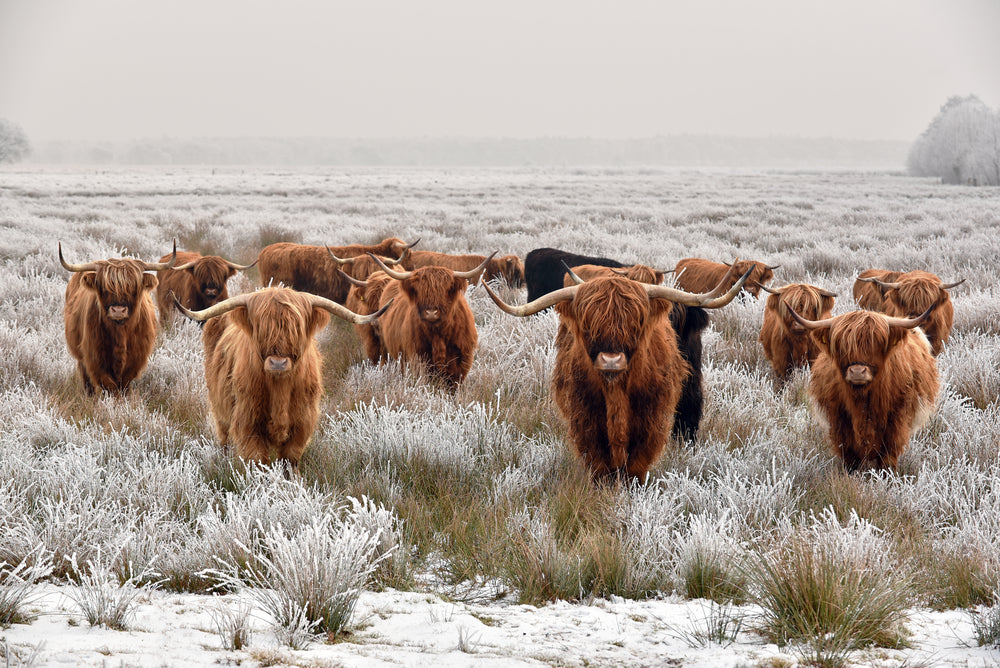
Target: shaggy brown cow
column 508, row 267
column 872, row 385
column 364, row 298
column 198, row 281
column 696, row 275
column 786, row 343
column 263, row 369
column 869, row 294
column 637, row 272
column 618, row 372
column 430, row 319
column 915, row 292
column 314, row 268
column 109, row 319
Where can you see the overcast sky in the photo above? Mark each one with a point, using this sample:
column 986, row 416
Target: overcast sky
column 119, row 69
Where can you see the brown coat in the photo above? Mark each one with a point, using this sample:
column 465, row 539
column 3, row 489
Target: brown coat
column 197, row 287
column 697, row 275
column 787, row 344
column 508, row 267
column 365, row 300
column 916, row 292
column 871, row 296
column 110, row 323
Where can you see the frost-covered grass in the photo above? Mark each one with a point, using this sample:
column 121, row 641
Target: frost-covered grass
column 476, row 494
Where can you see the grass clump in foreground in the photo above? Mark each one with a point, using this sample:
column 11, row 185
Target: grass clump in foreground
column 830, row 590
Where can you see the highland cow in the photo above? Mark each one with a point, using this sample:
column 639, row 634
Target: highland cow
column 697, row 275
column 914, row 292
column 109, row 319
column 198, row 282
column 618, row 373
column 313, row 269
column 873, row 383
column 430, row 320
column 545, row 269
column 868, row 294
column 509, row 267
column 364, row 298
column 787, row 344
column 263, row 369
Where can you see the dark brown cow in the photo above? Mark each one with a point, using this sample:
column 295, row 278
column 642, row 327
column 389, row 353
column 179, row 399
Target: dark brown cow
column 869, row 294
column 364, row 298
column 263, row 369
column 873, row 383
column 198, row 281
column 313, row 269
column 509, row 267
column 618, row 372
column 787, row 343
column 697, row 275
column 915, row 292
column 109, row 319
column 430, row 319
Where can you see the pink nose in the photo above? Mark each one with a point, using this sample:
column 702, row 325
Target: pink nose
column 118, row 312
column 611, row 362
column 277, row 364
column 432, row 315
column 859, row 374
column 211, row 292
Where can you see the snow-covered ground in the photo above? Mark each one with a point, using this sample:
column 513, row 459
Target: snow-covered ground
column 396, row 628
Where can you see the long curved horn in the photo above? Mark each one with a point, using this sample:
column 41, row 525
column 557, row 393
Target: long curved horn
column 87, row 266
column 242, row 267
column 730, row 274
column 350, row 279
column 704, row 300
column 767, row 289
column 881, row 284
column 773, row 266
column 826, row 293
column 949, row 286
column 473, row 274
column 214, row 310
column 910, row 323
column 340, row 260
column 391, row 273
column 157, row 266
column 572, row 274
column 542, row 303
column 809, row 324
column 414, row 243
column 345, row 313
column 399, row 260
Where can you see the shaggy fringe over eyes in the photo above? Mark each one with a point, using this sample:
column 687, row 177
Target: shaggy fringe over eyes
column 615, row 308
column 120, row 280
column 859, row 336
column 430, row 286
column 280, row 317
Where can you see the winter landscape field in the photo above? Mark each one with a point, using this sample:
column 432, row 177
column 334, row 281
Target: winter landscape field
column 431, row 528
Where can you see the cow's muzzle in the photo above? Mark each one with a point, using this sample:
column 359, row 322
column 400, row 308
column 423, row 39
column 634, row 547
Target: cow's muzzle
column 211, row 292
column 859, row 374
column 118, row 313
column 431, row 314
column 611, row 362
column 276, row 364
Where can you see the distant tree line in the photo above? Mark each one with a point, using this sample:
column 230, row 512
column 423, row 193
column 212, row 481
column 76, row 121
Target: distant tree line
column 674, row 151
column 961, row 145
column 14, row 145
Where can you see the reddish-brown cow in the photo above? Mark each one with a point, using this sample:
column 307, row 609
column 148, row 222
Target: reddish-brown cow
column 364, row 298
column 263, row 369
column 786, row 343
column 868, row 293
column 618, row 372
column 109, row 319
column 697, row 275
column 915, row 292
column 430, row 319
column 198, row 281
column 873, row 383
column 313, row 269
column 508, row 267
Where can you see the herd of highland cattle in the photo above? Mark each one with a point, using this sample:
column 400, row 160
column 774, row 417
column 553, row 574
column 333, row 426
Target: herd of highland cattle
column 627, row 374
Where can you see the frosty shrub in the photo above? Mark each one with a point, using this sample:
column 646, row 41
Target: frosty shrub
column 986, row 623
column 390, row 553
column 103, row 597
column 232, row 625
column 17, row 583
column 708, row 560
column 720, row 625
column 307, row 581
column 832, row 588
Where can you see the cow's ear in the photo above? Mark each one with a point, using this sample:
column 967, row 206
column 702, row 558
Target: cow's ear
column 459, row 285
column 406, row 285
column 774, row 302
column 822, row 338
column 89, row 280
column 320, row 319
column 149, row 281
column 241, row 318
column 230, row 273
column 825, row 307
column 896, row 334
column 660, row 307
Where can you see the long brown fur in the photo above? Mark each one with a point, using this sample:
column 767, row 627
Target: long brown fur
column 618, row 422
column 367, row 300
column 787, row 344
column 448, row 344
column 110, row 354
column 311, row 269
column 508, row 267
column 916, row 292
column 871, row 296
column 637, row 272
column 869, row 426
column 263, row 414
column 197, row 287
column 697, row 275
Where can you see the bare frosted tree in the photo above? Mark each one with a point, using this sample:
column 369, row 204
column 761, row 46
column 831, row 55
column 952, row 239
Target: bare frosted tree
column 961, row 145
column 14, row 144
